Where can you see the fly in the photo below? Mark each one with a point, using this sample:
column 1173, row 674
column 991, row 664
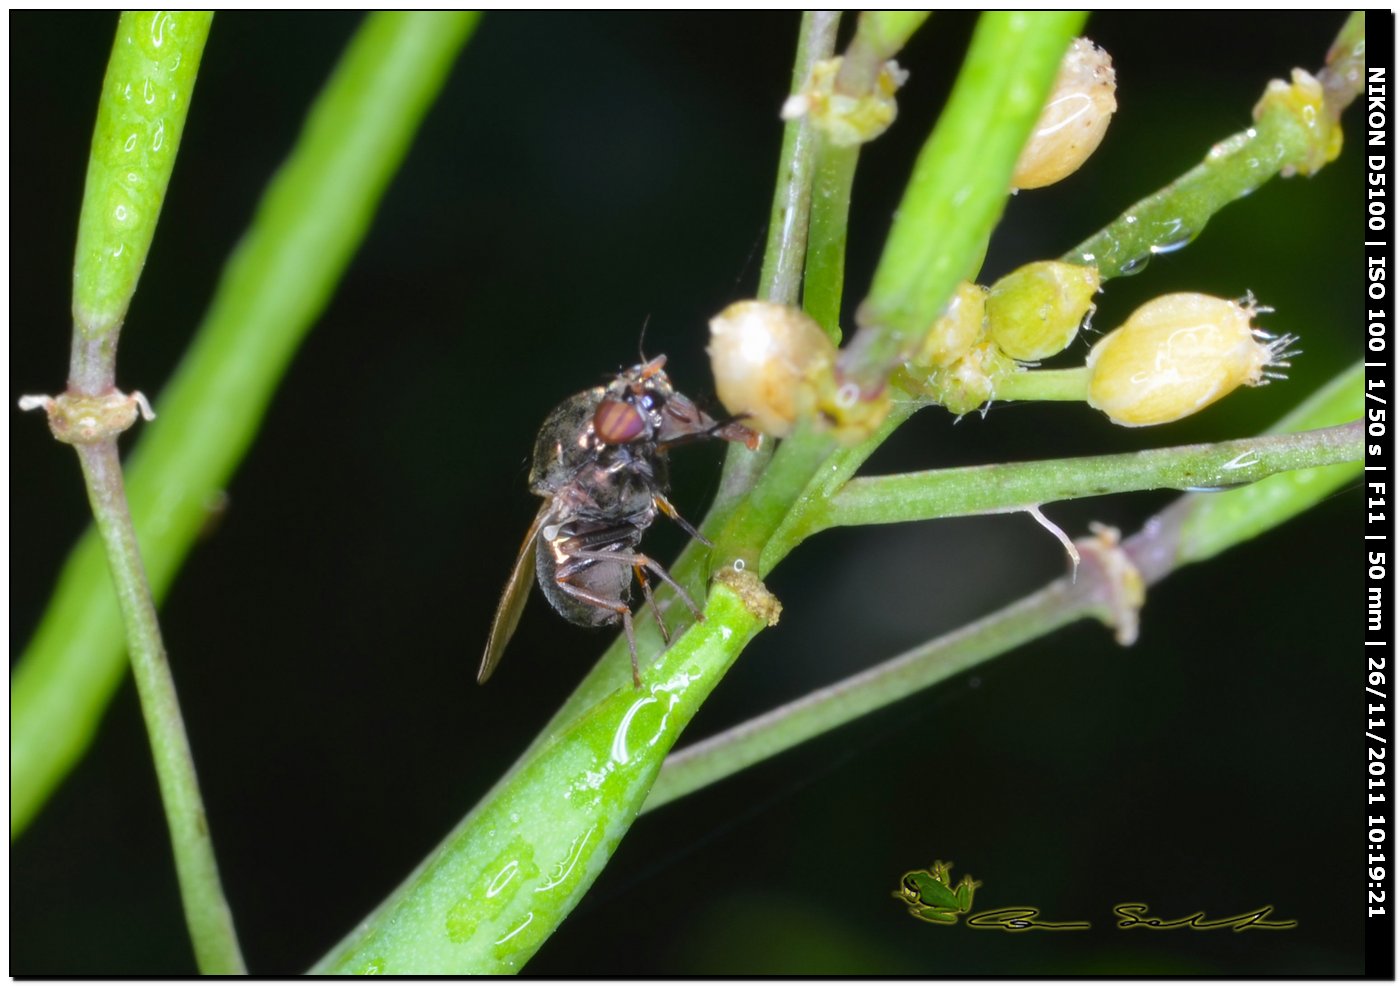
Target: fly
column 600, row 464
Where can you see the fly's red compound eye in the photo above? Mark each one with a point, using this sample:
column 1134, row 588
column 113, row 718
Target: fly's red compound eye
column 617, row 422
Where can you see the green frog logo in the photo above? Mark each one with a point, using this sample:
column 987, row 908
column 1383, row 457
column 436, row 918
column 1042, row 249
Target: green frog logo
column 931, row 896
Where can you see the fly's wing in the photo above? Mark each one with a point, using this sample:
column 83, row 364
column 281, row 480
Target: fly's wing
column 513, row 598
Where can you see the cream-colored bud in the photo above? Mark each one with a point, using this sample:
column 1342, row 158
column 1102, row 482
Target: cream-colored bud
column 1035, row 311
column 1178, row 353
column 768, row 361
column 957, row 329
column 1074, row 119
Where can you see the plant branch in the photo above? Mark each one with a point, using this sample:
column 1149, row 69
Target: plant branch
column 785, row 253
column 141, row 115
column 206, row 911
column 1285, row 138
column 489, row 896
column 1020, row 485
column 1191, row 529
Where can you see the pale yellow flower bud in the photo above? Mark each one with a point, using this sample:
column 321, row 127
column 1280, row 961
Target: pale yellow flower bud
column 1074, row 119
column 1178, row 353
column 1035, row 311
column 957, row 329
column 769, row 362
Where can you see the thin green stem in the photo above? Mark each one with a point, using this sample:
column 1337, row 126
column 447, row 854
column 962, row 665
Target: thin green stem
column 751, row 742
column 826, row 243
column 785, row 253
column 880, row 34
column 786, row 249
column 1044, row 385
column 999, row 488
column 206, row 911
column 1175, row 537
column 313, row 217
column 1344, row 75
column 1284, row 139
column 959, row 185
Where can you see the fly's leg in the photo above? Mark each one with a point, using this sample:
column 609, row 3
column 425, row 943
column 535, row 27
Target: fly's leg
column 665, row 506
column 620, row 608
column 651, row 601
column 638, row 560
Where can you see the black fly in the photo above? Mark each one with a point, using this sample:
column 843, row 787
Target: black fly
column 600, row 464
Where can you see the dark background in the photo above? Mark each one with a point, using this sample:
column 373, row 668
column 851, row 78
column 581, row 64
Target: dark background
column 579, row 175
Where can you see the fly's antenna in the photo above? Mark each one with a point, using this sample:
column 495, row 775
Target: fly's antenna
column 642, row 338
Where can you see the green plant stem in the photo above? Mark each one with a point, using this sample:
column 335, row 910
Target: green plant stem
column 490, row 895
column 959, row 185
column 1173, row 216
column 1020, row 485
column 314, row 215
column 140, row 119
column 206, row 911
column 1044, row 385
column 826, row 245
column 1194, row 527
column 785, row 251
column 141, row 115
column 880, row 34
column 1344, row 75
column 751, row 742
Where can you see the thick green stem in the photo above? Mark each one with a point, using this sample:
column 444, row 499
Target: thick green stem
column 206, row 911
column 490, row 895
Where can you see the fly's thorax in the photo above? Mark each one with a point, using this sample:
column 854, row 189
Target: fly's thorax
column 564, row 443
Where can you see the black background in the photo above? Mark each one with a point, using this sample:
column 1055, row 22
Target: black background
column 579, row 175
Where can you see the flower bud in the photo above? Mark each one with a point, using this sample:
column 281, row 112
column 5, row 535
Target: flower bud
column 970, row 381
column 769, row 361
column 1074, row 119
column 1178, row 353
column 1303, row 99
column 1035, row 311
column 957, row 329
column 846, row 120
